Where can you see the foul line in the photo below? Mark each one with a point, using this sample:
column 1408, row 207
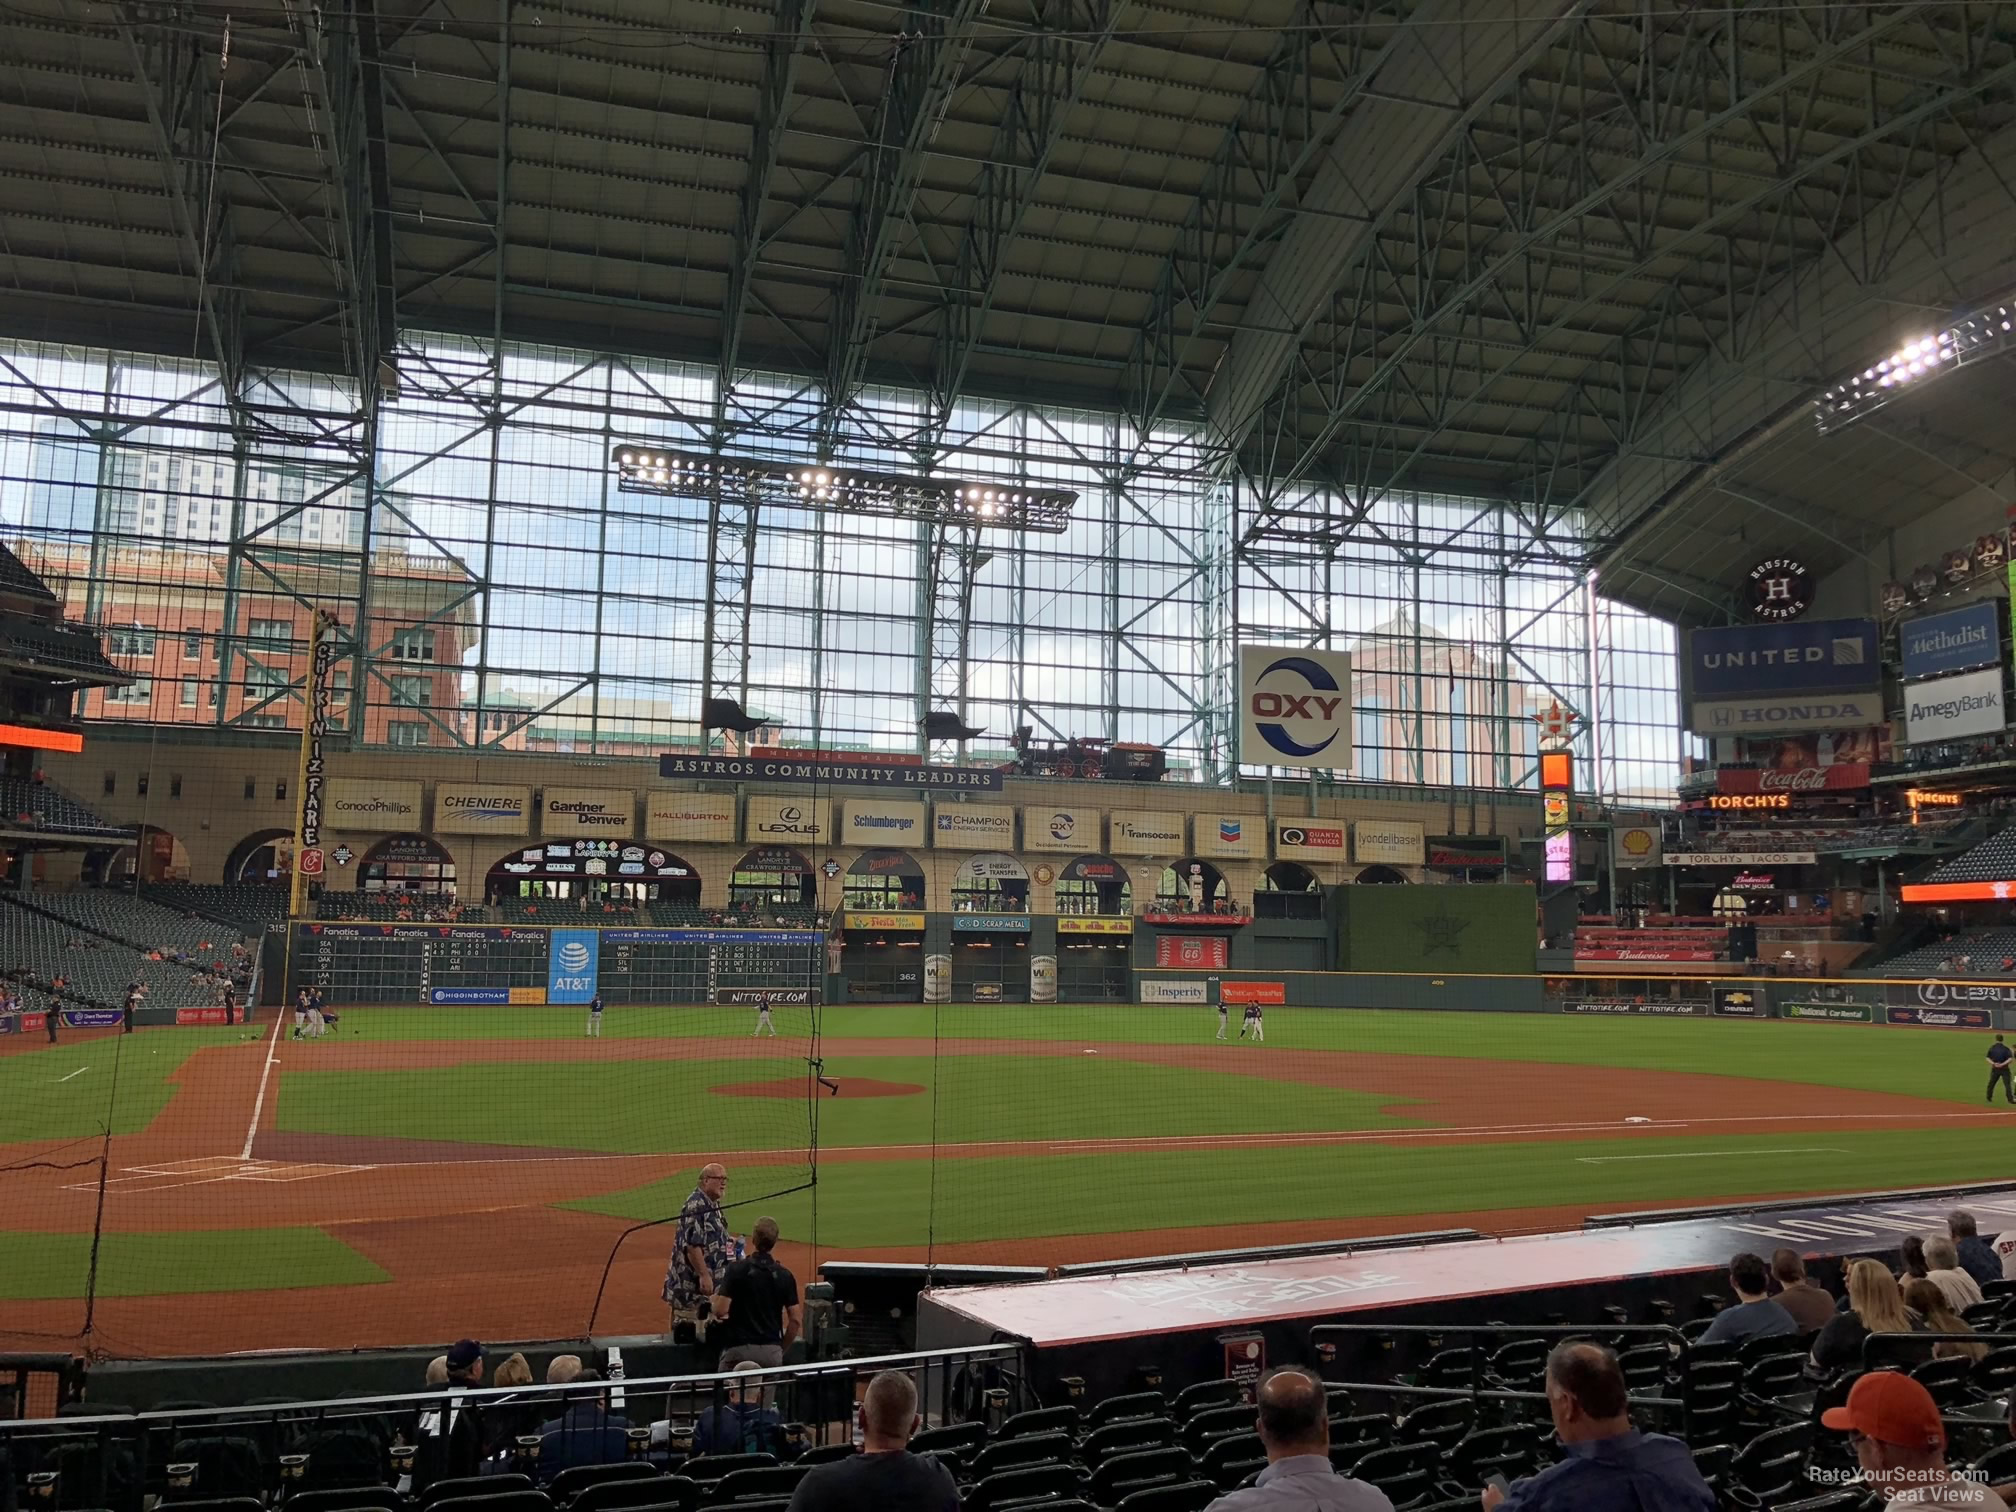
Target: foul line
column 259, row 1104
column 78, row 1072
column 1715, row 1154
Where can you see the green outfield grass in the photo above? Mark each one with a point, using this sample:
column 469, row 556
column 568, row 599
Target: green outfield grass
column 49, row 1266
column 78, row 1088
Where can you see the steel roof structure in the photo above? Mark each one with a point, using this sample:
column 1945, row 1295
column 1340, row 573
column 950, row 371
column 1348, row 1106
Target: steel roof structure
column 1575, row 256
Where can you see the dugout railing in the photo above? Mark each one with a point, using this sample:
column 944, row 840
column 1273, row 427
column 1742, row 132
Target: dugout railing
column 276, row 1449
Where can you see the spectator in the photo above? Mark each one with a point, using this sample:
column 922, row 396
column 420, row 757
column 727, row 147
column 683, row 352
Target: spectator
column 1900, row 1443
column 437, row 1371
column 742, row 1424
column 1912, row 1252
column 1942, row 1261
column 452, row 1435
column 757, row 1314
column 1874, row 1306
column 587, row 1433
column 562, row 1369
column 1755, row 1315
column 1294, row 1424
column 699, row 1254
column 885, row 1473
column 1811, row 1308
column 2005, row 1252
column 506, row 1418
column 1926, row 1300
column 1977, row 1258
column 1610, row 1466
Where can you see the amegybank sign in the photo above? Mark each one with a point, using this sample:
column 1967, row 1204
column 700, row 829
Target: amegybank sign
column 1954, row 707
column 481, row 808
column 608, row 812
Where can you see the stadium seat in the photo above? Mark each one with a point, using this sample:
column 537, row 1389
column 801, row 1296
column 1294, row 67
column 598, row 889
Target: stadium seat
column 1405, row 1472
column 1132, row 1404
column 1185, row 1496
column 1039, row 1420
column 1947, row 1380
column 1204, row 1395
column 1227, row 1461
column 1439, row 1423
column 497, row 1501
column 1344, row 1453
column 963, row 1439
column 575, row 1479
column 667, row 1491
column 1518, row 1365
column 1362, row 1425
column 761, row 1482
column 215, row 1504
column 343, row 1453
column 1215, row 1423
column 1023, row 1484
column 1645, row 1366
column 227, row 1465
column 1029, row 1449
column 1997, row 1466
column 1773, row 1464
column 761, row 1504
column 1125, row 1437
column 706, row 1469
column 825, row 1454
column 350, row 1499
column 1454, row 1369
column 1827, row 1501
column 1713, row 1461
column 1995, row 1372
column 1511, row 1450
column 473, row 1485
column 1115, row 1477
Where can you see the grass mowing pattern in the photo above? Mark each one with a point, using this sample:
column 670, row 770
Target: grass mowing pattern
column 645, row 1106
column 49, row 1266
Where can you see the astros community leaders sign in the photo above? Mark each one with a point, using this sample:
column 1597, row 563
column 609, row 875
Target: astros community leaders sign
column 830, row 773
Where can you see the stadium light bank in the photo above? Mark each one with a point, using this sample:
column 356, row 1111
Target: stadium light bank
column 844, row 490
column 1990, row 331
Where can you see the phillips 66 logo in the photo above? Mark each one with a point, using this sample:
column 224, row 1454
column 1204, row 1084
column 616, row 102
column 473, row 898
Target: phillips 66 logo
column 1294, row 707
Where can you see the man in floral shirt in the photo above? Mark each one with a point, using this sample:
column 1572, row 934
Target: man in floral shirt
column 699, row 1251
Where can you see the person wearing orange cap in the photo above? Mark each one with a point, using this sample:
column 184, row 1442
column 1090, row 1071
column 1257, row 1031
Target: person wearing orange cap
column 1900, row 1444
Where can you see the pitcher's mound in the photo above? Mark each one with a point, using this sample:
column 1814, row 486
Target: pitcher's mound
column 795, row 1087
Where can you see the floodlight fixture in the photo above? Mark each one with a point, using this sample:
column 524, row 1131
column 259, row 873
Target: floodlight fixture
column 1990, row 331
column 844, row 490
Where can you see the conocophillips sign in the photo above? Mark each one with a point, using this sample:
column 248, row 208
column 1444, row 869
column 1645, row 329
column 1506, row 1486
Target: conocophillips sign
column 354, row 803
column 1294, row 707
column 462, row 808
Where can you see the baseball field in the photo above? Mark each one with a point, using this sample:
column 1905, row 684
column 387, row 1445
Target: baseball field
column 424, row 1173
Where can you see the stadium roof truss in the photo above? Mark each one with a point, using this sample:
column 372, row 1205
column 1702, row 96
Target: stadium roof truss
column 1584, row 263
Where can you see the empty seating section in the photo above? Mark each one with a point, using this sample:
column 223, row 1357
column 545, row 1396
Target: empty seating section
column 1971, row 953
column 98, row 942
column 1993, row 860
column 53, row 646
column 26, row 804
column 252, row 906
column 1925, row 836
column 396, row 908
column 139, row 922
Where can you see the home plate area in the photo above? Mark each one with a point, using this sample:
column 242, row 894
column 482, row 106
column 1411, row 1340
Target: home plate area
column 209, row 1168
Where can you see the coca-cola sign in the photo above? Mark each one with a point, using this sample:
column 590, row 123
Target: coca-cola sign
column 1840, row 777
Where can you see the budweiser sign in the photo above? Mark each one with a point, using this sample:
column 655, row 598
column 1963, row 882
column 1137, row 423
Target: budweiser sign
column 1630, row 953
column 1840, row 777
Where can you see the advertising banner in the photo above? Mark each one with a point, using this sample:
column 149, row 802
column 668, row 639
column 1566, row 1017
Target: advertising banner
column 1294, row 708
column 571, row 961
column 1827, row 1013
column 975, row 870
column 469, row 997
column 1145, row 832
column 1943, row 1018
column 356, row 803
column 1643, row 1008
column 1192, row 952
column 885, row 921
column 1799, row 656
column 1391, row 842
column 1221, row 835
column 1043, row 979
column 882, row 821
column 526, row 997
column 1466, row 852
column 1956, row 641
column 481, row 808
column 788, row 821
column 1819, row 748
column 990, row 924
column 689, row 816
column 972, row 827
column 588, row 811
column 938, row 979
column 33, row 1023
column 801, row 937
column 1838, row 777
column 749, row 997
column 1060, row 828
column 1955, row 994
column 1741, row 1002
column 848, row 773
column 200, row 1016
column 1767, row 716
column 1088, row 924
column 1647, row 953
column 91, row 1018
column 1267, row 994
column 1954, row 707
column 1743, row 858
column 1315, row 839
column 1635, row 845
column 986, row 992
column 1175, row 992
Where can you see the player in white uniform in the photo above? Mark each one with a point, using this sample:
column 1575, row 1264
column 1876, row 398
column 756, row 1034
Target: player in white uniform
column 1221, row 1021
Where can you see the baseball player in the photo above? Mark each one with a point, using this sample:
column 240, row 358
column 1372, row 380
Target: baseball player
column 1249, row 1024
column 595, row 1017
column 300, row 1012
column 1998, row 1070
column 763, row 1017
column 1221, row 1020
column 1259, row 1026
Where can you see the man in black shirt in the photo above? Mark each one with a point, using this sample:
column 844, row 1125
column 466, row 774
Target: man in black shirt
column 756, row 1313
column 1998, row 1070
column 885, row 1473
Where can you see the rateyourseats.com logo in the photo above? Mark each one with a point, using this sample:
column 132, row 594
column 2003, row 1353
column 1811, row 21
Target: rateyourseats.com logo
column 573, row 956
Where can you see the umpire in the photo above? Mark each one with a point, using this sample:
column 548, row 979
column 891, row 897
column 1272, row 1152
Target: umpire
column 1999, row 1056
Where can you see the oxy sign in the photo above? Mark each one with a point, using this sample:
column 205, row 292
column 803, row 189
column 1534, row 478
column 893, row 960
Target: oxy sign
column 1294, row 707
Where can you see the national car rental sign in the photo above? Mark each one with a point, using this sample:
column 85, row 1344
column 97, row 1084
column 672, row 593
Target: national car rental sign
column 1294, row 708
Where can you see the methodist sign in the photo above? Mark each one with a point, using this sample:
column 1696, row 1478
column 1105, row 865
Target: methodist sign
column 1805, row 656
column 1294, row 707
column 1956, row 641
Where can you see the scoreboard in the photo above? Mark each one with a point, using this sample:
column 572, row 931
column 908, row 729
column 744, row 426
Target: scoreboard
column 494, row 964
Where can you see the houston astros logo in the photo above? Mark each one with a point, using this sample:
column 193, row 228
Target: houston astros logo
column 1314, row 705
column 1442, row 931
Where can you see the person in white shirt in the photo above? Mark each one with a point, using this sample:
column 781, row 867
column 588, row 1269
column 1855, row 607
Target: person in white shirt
column 2005, row 1251
column 1900, row 1444
column 1942, row 1267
